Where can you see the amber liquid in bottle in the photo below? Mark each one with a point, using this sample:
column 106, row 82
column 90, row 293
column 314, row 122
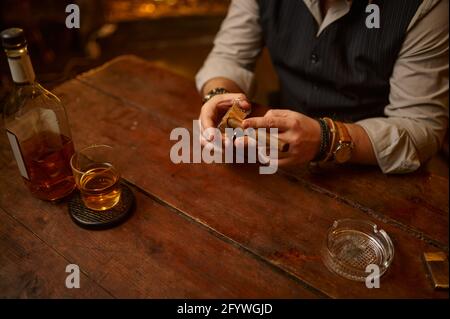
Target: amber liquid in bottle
column 48, row 166
column 37, row 127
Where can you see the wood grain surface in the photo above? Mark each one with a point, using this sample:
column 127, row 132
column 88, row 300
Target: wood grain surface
column 207, row 230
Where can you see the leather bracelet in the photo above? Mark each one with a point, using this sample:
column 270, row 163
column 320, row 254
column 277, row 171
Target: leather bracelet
column 334, row 138
column 324, row 140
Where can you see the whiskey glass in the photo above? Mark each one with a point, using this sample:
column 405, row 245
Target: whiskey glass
column 97, row 176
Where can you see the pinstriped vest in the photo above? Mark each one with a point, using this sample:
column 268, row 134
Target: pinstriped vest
column 344, row 73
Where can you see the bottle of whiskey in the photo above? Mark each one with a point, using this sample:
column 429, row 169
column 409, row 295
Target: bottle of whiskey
column 36, row 125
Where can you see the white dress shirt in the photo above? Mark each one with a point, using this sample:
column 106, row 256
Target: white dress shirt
column 417, row 114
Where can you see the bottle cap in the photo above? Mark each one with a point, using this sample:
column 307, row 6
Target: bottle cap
column 13, row 38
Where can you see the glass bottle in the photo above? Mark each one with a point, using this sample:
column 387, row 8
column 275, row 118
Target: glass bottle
column 36, row 125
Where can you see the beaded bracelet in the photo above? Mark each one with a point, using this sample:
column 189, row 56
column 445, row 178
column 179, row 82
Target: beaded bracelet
column 324, row 140
column 214, row 92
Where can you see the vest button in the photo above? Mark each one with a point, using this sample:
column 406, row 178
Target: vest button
column 314, row 58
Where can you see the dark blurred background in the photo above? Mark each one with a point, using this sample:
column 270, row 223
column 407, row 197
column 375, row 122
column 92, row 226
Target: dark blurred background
column 176, row 34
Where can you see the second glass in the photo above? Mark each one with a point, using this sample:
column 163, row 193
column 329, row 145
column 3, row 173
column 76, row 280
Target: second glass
column 97, row 176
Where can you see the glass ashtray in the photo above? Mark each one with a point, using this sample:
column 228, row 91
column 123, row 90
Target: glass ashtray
column 352, row 245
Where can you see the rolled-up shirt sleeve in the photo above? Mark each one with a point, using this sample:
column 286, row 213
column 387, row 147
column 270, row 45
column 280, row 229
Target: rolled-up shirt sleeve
column 236, row 47
column 417, row 114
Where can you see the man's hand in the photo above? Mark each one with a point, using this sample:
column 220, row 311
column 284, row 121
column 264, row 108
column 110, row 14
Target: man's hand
column 213, row 110
column 301, row 132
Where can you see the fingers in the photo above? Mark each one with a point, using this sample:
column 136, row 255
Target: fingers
column 230, row 98
column 226, row 140
column 280, row 119
column 281, row 123
column 283, row 158
column 206, row 121
column 226, row 100
column 245, row 141
column 251, row 140
column 213, row 146
column 210, row 110
column 245, row 146
column 278, row 113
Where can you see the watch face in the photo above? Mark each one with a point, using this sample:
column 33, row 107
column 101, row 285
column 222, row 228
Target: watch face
column 343, row 153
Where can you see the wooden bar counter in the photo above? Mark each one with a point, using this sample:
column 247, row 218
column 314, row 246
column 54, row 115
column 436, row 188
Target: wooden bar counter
column 205, row 230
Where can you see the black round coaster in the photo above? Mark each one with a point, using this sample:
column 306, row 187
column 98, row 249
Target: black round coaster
column 88, row 218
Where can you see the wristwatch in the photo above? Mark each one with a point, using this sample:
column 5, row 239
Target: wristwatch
column 344, row 148
column 214, row 92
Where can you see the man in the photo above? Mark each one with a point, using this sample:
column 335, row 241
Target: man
column 379, row 94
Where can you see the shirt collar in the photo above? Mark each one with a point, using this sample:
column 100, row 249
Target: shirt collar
column 338, row 9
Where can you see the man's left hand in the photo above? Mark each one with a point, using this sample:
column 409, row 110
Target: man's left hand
column 300, row 131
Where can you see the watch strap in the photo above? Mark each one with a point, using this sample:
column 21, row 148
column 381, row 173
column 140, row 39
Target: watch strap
column 343, row 151
column 344, row 136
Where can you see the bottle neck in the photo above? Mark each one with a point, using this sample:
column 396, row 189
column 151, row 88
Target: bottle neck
column 20, row 66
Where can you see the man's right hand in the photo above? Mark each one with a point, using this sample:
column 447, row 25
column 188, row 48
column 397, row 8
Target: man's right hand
column 213, row 111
